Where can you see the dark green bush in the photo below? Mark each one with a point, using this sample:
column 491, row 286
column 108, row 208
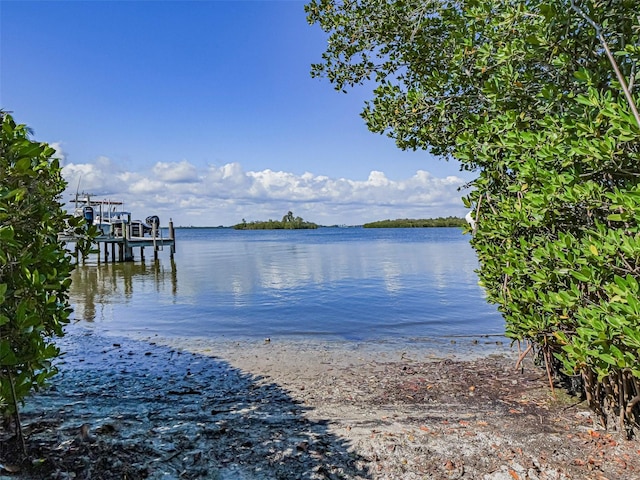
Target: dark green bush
column 559, row 244
column 526, row 95
column 34, row 264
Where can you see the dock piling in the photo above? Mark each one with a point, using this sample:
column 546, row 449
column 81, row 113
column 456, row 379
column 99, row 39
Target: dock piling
column 172, row 237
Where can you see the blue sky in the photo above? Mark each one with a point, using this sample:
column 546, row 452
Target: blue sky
column 206, row 112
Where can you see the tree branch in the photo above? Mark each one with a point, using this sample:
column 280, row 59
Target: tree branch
column 614, row 64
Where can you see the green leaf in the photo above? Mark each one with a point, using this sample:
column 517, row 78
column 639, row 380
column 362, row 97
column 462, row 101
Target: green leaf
column 6, row 233
column 580, row 276
column 23, row 165
column 608, row 358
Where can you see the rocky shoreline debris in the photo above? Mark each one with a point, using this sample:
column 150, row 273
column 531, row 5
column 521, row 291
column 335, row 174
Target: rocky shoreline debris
column 169, row 408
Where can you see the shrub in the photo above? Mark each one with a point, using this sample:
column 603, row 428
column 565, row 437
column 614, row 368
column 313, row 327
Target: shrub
column 34, row 264
column 529, row 96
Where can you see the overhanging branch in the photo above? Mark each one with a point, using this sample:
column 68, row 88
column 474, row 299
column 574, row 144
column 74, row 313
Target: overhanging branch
column 614, row 64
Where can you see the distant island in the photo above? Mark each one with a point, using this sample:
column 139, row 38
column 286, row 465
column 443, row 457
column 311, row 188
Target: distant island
column 288, row 222
column 418, row 223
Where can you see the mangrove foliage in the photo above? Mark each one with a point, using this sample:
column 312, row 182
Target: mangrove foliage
column 538, row 98
column 34, row 265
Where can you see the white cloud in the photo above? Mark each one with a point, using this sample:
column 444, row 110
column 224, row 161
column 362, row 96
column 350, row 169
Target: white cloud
column 377, row 179
column 60, row 153
column 146, row 186
column 100, row 177
column 175, row 172
column 224, row 195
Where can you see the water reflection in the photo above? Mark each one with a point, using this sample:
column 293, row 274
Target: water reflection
column 351, row 284
column 96, row 287
column 242, row 269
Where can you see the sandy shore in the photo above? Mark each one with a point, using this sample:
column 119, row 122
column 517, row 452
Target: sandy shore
column 151, row 407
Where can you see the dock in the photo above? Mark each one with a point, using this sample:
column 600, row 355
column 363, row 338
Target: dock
column 119, row 246
column 119, row 235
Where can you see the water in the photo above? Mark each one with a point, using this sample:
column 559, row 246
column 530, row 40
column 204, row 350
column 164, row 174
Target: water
column 332, row 283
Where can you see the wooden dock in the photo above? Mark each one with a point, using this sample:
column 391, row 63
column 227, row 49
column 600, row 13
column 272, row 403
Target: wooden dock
column 118, row 245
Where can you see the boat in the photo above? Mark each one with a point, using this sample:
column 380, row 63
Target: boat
column 116, row 231
column 111, row 219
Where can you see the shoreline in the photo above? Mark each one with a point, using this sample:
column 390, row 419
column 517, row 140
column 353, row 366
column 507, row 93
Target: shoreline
column 158, row 407
column 459, row 347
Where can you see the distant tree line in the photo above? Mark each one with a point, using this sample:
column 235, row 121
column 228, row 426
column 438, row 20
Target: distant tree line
column 288, row 222
column 418, row 223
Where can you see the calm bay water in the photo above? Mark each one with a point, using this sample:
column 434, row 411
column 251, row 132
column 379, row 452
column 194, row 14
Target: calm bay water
column 334, row 283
